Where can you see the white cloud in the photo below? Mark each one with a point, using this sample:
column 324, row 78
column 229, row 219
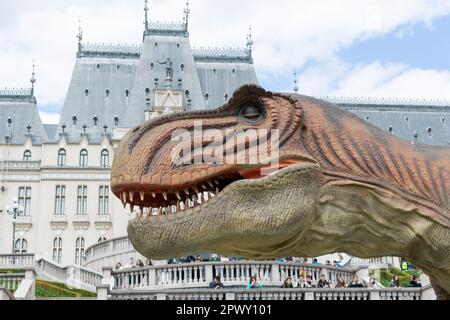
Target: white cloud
column 287, row 34
column 49, row 118
column 376, row 79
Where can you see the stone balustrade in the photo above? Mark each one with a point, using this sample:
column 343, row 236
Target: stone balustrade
column 11, row 281
column 270, row 294
column 110, row 252
column 16, row 261
column 233, row 273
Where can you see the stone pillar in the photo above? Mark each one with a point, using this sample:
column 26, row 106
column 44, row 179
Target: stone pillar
column 209, row 273
column 309, row 295
column 275, row 273
column 30, row 273
column 152, row 277
column 160, row 296
column 230, row 296
column 374, row 295
column 102, row 291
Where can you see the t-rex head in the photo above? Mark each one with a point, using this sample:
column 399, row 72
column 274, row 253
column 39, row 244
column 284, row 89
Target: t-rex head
column 229, row 206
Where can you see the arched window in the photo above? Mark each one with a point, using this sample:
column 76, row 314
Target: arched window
column 104, row 158
column 20, row 246
column 83, row 158
column 79, row 251
column 27, row 155
column 57, row 250
column 101, row 239
column 61, row 158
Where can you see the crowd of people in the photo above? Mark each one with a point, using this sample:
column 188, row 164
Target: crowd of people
column 132, row 263
column 307, row 282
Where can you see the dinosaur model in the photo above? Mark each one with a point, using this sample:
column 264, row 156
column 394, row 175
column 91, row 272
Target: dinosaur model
column 341, row 185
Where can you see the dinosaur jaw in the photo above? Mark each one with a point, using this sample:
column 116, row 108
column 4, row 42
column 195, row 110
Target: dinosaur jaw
column 239, row 220
column 180, row 200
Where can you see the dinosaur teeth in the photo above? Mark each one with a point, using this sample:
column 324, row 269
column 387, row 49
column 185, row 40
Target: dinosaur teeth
column 195, row 189
column 131, row 195
column 165, row 196
column 186, row 191
column 210, row 183
column 178, row 195
column 142, row 194
column 203, row 186
column 216, row 182
column 153, row 194
column 131, row 207
column 182, row 206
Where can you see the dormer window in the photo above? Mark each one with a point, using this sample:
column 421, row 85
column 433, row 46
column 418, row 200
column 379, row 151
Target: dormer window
column 9, row 121
column 61, row 158
column 95, row 120
column 74, row 120
column 27, row 155
column 116, row 121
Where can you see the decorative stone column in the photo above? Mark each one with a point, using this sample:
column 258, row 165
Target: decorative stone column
column 106, row 284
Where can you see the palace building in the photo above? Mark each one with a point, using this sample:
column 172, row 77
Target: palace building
column 60, row 174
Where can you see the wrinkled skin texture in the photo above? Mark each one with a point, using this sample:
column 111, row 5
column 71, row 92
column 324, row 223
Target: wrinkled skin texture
column 348, row 187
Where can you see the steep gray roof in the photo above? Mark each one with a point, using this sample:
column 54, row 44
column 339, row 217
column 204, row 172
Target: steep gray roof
column 426, row 123
column 17, row 112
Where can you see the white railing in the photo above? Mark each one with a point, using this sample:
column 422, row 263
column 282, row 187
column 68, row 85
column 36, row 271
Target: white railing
column 110, row 252
column 16, row 261
column 52, row 270
column 355, row 261
column 270, row 294
column 233, row 273
column 11, row 281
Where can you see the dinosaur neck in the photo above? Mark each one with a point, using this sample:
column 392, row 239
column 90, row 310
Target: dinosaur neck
column 381, row 196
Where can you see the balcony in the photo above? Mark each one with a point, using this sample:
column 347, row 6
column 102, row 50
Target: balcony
column 20, row 165
column 81, row 221
column 103, row 221
column 24, row 222
column 58, row 221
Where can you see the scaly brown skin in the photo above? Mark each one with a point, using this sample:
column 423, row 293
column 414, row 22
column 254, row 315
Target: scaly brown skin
column 344, row 186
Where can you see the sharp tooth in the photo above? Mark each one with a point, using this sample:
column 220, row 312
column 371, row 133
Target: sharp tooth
column 142, row 194
column 205, row 196
column 141, row 209
column 203, row 186
column 199, row 198
column 216, row 182
column 212, row 194
column 217, row 190
column 153, row 194
column 186, row 191
column 165, row 196
column 131, row 207
column 178, row 195
column 159, row 211
column 195, row 189
column 210, row 184
column 182, row 206
column 124, row 196
column 131, row 195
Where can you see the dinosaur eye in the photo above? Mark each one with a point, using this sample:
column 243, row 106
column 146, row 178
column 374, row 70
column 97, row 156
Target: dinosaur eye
column 251, row 113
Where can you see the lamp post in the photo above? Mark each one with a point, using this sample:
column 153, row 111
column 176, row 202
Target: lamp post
column 14, row 210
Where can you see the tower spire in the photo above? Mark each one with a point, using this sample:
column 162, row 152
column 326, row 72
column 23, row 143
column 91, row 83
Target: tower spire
column 146, row 14
column 33, row 79
column 186, row 14
column 295, row 82
column 249, row 40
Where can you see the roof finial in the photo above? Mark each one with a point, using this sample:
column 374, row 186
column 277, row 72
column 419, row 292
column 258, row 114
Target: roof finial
column 249, row 40
column 146, row 14
column 33, row 79
column 186, row 14
column 79, row 35
column 295, row 82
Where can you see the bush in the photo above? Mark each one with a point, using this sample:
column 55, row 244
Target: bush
column 405, row 276
column 59, row 290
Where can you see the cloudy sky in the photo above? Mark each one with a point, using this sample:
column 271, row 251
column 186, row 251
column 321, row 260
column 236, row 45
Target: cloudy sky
column 372, row 48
